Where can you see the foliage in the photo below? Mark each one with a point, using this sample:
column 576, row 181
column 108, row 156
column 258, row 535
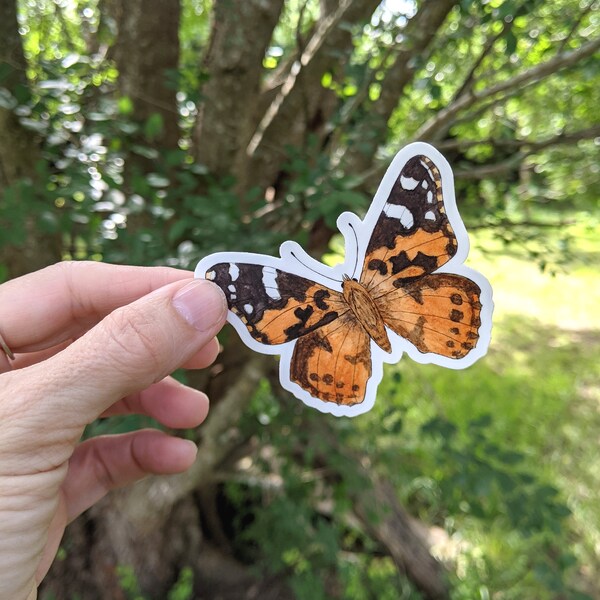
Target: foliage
column 485, row 455
column 181, row 590
column 498, row 460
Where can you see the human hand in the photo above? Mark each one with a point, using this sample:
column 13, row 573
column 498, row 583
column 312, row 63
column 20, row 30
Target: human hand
column 91, row 340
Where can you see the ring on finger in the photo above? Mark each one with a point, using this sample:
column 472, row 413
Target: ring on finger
column 6, row 349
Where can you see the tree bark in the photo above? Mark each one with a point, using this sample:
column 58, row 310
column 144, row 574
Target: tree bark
column 146, row 52
column 19, row 153
column 18, row 150
column 241, row 33
column 397, row 531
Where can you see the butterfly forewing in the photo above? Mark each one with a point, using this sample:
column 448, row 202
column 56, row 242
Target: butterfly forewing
column 276, row 306
column 412, row 236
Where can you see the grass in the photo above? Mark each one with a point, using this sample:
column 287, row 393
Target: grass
column 540, row 384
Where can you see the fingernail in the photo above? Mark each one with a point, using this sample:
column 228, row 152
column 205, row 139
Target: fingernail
column 189, row 446
column 202, row 304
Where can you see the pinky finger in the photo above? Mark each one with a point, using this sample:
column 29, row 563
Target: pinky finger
column 109, row 462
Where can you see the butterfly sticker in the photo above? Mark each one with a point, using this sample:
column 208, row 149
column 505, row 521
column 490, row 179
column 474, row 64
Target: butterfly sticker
column 401, row 288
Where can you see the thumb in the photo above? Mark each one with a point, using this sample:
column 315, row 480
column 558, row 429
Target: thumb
column 135, row 346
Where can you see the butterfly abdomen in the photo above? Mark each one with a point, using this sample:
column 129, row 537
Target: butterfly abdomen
column 364, row 309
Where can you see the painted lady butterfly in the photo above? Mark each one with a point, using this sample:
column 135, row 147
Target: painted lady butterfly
column 333, row 329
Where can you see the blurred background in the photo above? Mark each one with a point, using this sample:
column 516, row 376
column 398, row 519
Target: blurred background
column 156, row 131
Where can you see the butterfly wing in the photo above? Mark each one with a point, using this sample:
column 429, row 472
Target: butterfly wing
column 275, row 306
column 331, row 359
column 333, row 363
column 412, row 236
column 439, row 313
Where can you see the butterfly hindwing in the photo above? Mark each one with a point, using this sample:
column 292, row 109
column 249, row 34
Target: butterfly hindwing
column 437, row 313
column 412, row 236
column 275, row 306
column 333, row 363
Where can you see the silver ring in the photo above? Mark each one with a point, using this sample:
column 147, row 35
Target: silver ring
column 6, row 349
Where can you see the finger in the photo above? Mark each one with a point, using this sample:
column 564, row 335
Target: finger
column 108, row 462
column 205, row 357
column 130, row 349
column 63, row 301
column 168, row 401
column 27, row 359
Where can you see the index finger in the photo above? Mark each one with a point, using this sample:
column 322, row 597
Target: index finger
column 64, row 300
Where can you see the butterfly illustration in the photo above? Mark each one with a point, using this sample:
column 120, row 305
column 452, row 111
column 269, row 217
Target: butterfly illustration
column 401, row 288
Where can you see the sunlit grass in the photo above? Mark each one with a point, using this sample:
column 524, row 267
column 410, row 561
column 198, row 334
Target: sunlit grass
column 540, row 383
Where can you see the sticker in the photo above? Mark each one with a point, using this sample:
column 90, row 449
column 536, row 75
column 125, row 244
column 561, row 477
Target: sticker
column 402, row 288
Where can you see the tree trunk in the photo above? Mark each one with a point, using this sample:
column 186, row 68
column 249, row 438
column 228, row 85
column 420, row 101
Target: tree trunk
column 19, row 153
column 146, row 52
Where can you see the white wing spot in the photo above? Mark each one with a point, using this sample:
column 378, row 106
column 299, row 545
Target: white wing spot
column 231, row 288
column 430, row 196
column 430, row 216
column 408, row 183
column 234, row 271
column 269, row 279
column 424, row 184
column 395, row 211
column 211, row 275
column 249, row 308
column 233, row 297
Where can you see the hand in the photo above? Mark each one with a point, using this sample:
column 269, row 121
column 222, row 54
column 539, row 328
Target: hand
column 91, row 340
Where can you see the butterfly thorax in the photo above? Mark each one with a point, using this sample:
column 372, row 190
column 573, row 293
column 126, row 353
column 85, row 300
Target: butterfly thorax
column 362, row 305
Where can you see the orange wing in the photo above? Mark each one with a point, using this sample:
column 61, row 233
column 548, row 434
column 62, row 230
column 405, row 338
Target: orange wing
column 438, row 313
column 276, row 306
column 412, row 236
column 333, row 363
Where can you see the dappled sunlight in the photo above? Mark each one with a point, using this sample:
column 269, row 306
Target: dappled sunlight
column 537, row 396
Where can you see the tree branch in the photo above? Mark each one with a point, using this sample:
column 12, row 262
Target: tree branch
column 307, row 106
column 218, row 439
column 376, row 505
column 470, row 80
column 576, row 25
column 528, row 147
column 561, row 138
column 389, row 524
column 323, row 28
column 419, row 34
column 430, row 129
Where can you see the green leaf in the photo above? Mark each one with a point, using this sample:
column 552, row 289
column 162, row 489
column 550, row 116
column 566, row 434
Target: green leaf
column 511, row 42
column 7, row 100
column 153, row 127
column 125, row 105
column 156, row 180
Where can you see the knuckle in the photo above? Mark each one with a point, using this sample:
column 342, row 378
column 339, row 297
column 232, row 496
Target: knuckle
column 67, row 268
column 102, row 472
column 132, row 333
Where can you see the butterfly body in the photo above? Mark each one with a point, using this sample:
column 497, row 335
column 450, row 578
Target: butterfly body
column 365, row 310
column 413, row 294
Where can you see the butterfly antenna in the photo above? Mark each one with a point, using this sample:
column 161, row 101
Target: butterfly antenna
column 313, row 270
column 356, row 257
